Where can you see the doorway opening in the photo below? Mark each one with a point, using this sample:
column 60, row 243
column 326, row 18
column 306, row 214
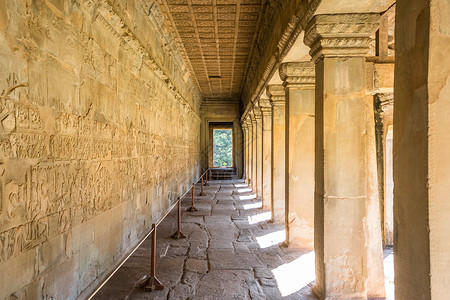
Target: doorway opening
column 223, row 148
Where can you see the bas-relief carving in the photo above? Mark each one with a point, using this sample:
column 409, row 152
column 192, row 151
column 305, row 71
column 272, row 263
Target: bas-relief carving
column 52, row 185
column 79, row 161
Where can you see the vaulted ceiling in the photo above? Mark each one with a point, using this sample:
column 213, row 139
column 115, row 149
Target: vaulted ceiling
column 216, row 39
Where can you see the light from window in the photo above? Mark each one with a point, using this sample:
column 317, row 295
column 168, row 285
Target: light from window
column 223, row 148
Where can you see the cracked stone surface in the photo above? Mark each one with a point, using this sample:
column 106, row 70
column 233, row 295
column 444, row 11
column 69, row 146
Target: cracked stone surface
column 221, row 257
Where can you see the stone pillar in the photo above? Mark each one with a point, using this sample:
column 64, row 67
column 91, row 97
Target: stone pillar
column 259, row 133
column 298, row 81
column 266, row 110
column 238, row 149
column 421, row 150
column 384, row 117
column 249, row 150
column 254, row 150
column 276, row 94
column 245, row 141
column 348, row 246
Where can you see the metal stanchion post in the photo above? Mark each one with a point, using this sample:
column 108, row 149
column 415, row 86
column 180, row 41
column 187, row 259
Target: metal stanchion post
column 152, row 283
column 201, row 188
column 206, row 179
column 178, row 234
column 192, row 208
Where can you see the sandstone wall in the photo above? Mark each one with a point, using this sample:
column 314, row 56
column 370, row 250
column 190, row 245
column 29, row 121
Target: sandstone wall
column 421, row 150
column 96, row 113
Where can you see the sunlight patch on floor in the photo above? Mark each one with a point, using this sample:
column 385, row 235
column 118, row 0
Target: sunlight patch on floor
column 248, row 197
column 271, row 239
column 246, row 190
column 259, row 218
column 252, row 205
column 294, row 276
column 241, row 185
column 389, row 275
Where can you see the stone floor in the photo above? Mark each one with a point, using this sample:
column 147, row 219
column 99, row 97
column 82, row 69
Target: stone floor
column 231, row 252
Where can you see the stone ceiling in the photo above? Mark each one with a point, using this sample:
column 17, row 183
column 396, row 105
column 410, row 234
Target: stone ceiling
column 216, row 39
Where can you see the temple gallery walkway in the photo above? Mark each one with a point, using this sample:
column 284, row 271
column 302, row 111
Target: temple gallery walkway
column 231, row 252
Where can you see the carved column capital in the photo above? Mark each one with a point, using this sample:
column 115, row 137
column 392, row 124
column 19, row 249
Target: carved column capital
column 298, row 74
column 276, row 94
column 265, row 106
column 256, row 111
column 244, row 125
column 252, row 116
column 340, row 35
column 248, row 120
column 386, row 102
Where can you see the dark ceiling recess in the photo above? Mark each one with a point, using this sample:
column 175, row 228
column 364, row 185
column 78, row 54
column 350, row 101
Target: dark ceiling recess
column 221, row 124
column 214, row 77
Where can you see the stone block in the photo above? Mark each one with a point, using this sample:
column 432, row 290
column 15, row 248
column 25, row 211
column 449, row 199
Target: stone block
column 223, row 259
column 196, row 265
column 19, row 273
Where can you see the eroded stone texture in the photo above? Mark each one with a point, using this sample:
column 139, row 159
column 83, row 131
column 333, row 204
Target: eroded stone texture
column 299, row 86
column 277, row 99
column 91, row 102
column 421, row 150
column 347, row 222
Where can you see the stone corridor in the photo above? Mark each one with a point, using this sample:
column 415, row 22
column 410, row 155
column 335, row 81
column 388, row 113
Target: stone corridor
column 338, row 132
column 231, row 252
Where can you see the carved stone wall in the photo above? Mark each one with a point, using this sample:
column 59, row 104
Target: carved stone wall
column 96, row 111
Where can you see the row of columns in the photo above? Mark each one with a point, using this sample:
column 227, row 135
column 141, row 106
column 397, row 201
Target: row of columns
column 342, row 184
column 323, row 157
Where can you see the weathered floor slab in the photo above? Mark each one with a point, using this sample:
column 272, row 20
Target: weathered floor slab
column 230, row 252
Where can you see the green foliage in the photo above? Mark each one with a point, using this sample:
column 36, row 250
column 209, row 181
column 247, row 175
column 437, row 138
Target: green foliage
column 223, row 148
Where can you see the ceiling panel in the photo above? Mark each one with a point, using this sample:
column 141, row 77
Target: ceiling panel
column 216, row 38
